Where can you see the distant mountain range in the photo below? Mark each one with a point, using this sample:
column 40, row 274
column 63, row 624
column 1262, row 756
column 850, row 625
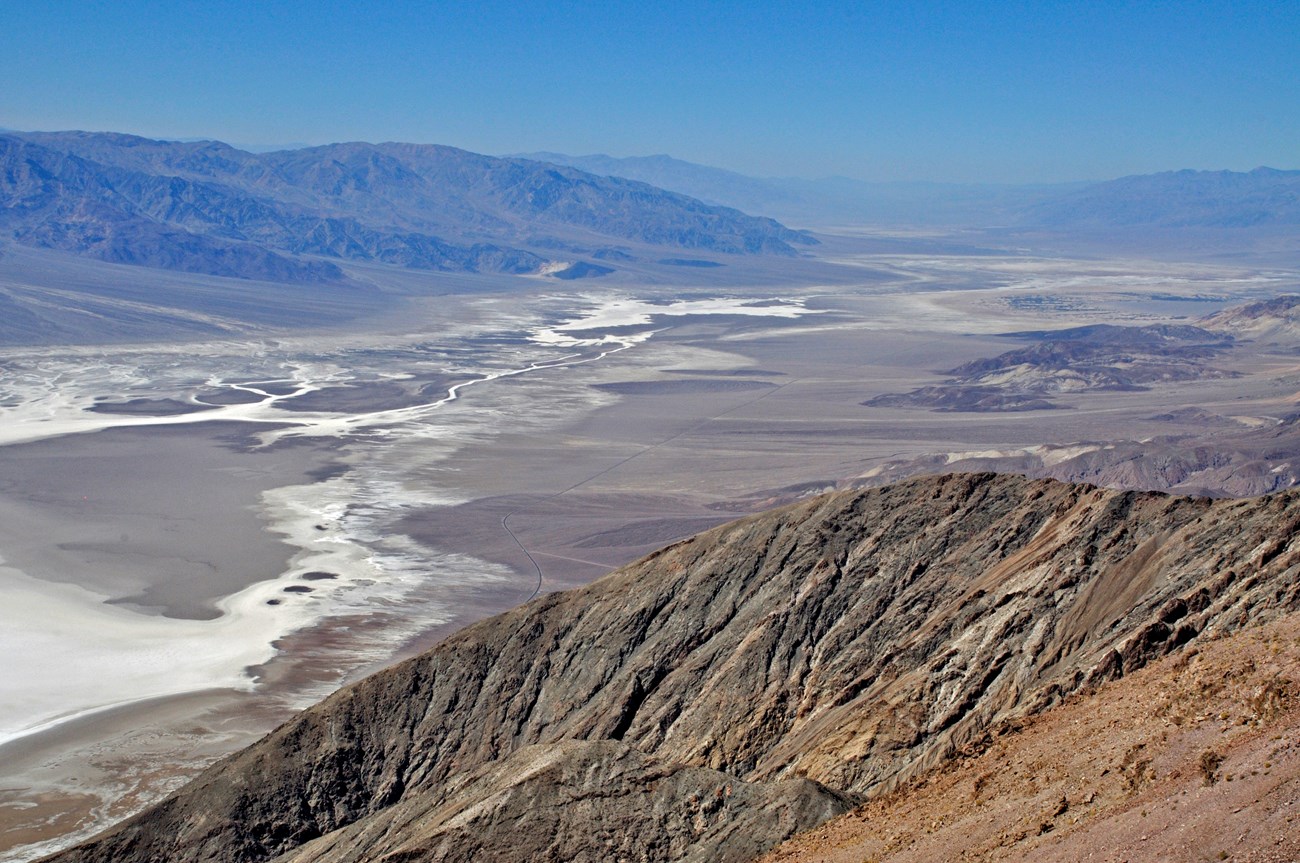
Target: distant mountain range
column 822, row 202
column 1179, row 199
column 298, row 215
column 206, row 207
column 1173, row 199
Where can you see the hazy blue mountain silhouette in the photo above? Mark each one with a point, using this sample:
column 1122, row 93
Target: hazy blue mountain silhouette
column 207, row 207
column 1177, row 199
column 1173, row 199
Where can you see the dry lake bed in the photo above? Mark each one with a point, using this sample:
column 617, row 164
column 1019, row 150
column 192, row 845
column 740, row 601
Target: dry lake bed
column 197, row 539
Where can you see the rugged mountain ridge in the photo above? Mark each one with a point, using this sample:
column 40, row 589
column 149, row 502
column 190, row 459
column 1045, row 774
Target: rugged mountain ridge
column 853, row 641
column 210, row 208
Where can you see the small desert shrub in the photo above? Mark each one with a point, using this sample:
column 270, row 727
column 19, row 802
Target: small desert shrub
column 1210, row 761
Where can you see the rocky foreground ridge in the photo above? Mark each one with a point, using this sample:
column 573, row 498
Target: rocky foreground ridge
column 713, row 698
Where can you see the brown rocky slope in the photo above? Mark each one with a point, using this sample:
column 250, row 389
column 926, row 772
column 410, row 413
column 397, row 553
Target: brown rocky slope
column 854, row 641
column 1194, row 758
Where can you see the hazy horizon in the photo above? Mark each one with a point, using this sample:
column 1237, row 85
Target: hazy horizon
column 906, row 92
column 258, row 147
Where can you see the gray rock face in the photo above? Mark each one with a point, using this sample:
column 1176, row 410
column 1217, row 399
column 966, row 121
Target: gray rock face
column 579, row 801
column 207, row 207
column 854, row 640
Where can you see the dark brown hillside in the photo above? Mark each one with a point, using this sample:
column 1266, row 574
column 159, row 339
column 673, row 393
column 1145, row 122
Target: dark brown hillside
column 854, row 640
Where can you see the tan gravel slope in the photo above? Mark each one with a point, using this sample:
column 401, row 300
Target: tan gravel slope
column 1195, row 758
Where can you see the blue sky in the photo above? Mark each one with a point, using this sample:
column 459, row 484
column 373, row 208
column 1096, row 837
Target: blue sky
column 1001, row 92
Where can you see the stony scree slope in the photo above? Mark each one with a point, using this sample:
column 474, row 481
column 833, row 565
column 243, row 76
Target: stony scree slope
column 1194, row 758
column 855, row 640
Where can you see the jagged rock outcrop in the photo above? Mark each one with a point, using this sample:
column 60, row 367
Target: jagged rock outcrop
column 854, row 640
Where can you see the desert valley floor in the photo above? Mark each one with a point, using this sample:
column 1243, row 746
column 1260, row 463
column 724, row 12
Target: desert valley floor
column 202, row 537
